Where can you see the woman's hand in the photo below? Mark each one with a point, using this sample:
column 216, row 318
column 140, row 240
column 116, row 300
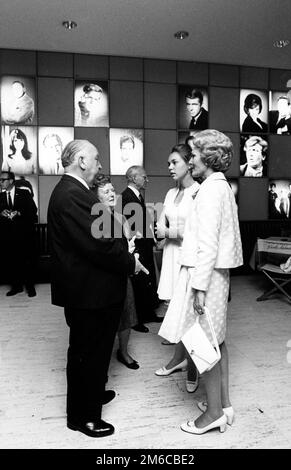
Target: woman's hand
column 199, row 301
column 160, row 230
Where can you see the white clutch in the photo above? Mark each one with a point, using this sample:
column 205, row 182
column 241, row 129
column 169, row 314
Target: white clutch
column 200, row 349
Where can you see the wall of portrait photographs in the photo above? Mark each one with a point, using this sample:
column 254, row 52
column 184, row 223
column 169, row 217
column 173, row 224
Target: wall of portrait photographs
column 135, row 110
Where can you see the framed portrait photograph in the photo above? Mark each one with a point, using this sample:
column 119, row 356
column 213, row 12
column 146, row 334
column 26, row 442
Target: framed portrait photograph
column 253, row 155
column 280, row 112
column 126, row 149
column 254, row 111
column 29, row 183
column 18, row 100
column 193, row 107
column 279, row 199
column 51, row 143
column 19, row 149
column 234, row 186
column 91, row 104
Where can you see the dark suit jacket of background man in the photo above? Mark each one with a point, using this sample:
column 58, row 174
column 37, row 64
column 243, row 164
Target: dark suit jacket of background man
column 89, row 278
column 145, row 286
column 201, row 122
column 17, row 237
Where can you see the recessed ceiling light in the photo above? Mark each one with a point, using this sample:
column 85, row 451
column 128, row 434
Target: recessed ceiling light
column 281, row 43
column 68, row 24
column 181, row 34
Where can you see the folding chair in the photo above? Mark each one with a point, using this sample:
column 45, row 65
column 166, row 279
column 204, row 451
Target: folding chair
column 271, row 253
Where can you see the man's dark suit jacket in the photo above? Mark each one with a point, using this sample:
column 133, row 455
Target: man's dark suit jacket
column 275, row 124
column 19, row 232
column 87, row 273
column 202, row 121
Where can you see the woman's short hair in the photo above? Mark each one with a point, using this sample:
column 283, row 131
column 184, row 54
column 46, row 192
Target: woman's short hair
column 184, row 150
column 100, row 181
column 254, row 140
column 216, row 149
column 18, row 134
column 252, row 101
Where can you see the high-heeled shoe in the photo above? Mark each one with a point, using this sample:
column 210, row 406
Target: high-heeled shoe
column 163, row 371
column 192, row 385
column 229, row 411
column 220, row 423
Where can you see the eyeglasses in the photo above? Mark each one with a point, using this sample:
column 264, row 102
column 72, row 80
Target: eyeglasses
column 4, row 179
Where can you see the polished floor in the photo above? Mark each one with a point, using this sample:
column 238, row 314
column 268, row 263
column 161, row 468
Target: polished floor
column 148, row 410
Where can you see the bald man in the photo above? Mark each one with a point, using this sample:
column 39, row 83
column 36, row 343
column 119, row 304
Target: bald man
column 89, row 276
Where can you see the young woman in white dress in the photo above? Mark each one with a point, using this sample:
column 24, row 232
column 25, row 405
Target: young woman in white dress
column 211, row 246
column 171, row 226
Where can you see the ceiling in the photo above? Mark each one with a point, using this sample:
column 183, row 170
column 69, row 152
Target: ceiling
column 220, row 31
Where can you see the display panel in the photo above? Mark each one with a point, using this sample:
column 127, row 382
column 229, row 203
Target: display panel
column 254, row 111
column 253, row 155
column 279, row 199
column 280, row 112
column 126, row 149
column 19, row 149
column 29, row 183
column 51, row 143
column 18, row 104
column 91, row 104
column 193, row 107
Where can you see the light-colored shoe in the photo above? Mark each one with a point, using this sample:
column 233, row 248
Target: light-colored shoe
column 163, row 371
column 220, row 423
column 229, row 411
column 192, row 385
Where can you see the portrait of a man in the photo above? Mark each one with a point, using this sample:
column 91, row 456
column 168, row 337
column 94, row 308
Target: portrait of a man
column 280, row 113
column 126, row 149
column 91, row 104
column 193, row 113
column 279, row 199
column 51, row 142
column 17, row 100
column 253, row 156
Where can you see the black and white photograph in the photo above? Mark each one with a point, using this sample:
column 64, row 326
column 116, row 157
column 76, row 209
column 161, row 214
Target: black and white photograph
column 126, row 149
column 279, row 199
column 51, row 143
column 253, row 155
column 254, row 111
column 18, row 100
column 280, row 112
column 91, row 104
column 28, row 183
column 19, row 149
column 192, row 107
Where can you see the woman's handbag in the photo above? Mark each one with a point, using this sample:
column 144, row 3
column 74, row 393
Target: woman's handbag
column 202, row 353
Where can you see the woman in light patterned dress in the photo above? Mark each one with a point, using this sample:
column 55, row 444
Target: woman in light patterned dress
column 171, row 226
column 211, row 246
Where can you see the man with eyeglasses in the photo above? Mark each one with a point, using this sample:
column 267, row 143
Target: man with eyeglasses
column 18, row 214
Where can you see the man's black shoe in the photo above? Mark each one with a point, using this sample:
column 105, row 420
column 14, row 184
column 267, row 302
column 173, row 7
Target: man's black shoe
column 96, row 428
column 141, row 328
column 31, row 292
column 108, row 396
column 14, row 291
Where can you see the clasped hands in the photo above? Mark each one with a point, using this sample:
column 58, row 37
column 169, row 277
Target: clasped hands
column 8, row 214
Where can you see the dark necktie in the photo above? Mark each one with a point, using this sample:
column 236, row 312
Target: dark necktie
column 192, row 123
column 141, row 199
column 10, row 205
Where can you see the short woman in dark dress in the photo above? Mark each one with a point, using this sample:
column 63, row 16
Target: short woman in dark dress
column 107, row 196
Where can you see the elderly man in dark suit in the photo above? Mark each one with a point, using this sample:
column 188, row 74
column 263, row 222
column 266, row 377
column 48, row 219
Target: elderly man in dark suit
column 145, row 287
column 18, row 214
column 89, row 276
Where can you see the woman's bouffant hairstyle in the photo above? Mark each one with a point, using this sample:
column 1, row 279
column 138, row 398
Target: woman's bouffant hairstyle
column 100, row 181
column 216, row 149
column 184, row 151
column 252, row 101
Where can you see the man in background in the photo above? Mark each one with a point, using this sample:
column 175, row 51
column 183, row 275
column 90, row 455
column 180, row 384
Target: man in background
column 18, row 214
column 144, row 286
column 198, row 114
